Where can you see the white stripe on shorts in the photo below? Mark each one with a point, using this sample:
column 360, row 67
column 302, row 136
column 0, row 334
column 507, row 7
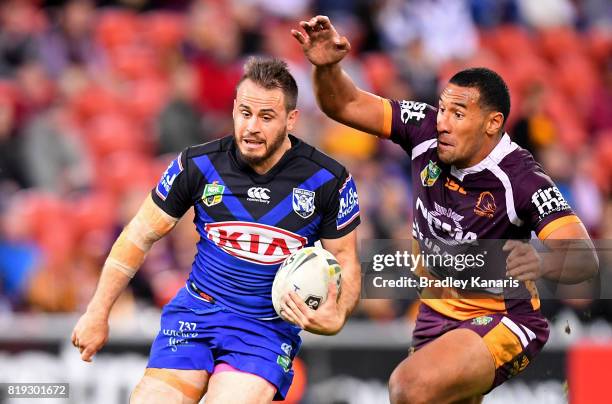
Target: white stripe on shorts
column 518, row 331
column 530, row 333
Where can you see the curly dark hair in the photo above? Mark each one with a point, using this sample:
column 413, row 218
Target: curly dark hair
column 494, row 94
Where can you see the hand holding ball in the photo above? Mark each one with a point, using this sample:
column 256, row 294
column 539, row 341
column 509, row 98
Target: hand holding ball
column 308, row 273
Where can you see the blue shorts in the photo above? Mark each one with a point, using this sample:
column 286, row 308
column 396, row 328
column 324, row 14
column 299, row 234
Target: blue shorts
column 197, row 335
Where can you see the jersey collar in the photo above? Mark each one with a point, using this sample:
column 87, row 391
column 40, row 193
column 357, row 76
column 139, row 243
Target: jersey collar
column 501, row 150
column 263, row 178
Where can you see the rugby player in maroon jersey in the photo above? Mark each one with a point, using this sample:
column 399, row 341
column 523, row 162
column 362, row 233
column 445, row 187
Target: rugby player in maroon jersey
column 470, row 182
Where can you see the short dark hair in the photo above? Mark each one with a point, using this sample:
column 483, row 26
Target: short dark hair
column 493, row 90
column 272, row 73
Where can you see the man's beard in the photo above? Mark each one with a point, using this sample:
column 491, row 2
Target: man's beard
column 445, row 159
column 255, row 160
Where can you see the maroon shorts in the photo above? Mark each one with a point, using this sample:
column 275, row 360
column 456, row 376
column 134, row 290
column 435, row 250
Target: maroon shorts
column 513, row 340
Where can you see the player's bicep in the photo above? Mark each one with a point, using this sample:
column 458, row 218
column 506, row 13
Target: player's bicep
column 368, row 113
column 563, row 235
column 148, row 225
column 564, row 228
column 570, row 250
column 343, row 248
column 345, row 251
column 152, row 221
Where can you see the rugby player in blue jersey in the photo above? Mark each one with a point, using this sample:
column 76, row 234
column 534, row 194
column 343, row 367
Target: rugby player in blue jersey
column 258, row 196
column 470, row 181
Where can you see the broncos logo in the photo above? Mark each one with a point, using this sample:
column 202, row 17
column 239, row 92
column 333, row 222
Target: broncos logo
column 485, row 205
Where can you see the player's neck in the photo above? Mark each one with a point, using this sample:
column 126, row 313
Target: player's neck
column 483, row 153
column 265, row 166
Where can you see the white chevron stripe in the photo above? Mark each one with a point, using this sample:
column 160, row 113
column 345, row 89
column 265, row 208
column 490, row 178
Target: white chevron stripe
column 516, row 330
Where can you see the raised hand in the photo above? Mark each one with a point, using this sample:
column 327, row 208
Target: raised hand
column 322, row 45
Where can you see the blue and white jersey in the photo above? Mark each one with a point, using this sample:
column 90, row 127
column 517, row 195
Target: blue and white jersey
column 249, row 223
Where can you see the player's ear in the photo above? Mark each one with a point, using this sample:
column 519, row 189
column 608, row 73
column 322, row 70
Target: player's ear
column 234, row 109
column 292, row 118
column 495, row 121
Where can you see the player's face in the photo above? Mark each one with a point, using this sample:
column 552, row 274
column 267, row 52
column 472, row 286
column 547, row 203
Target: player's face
column 462, row 127
column 261, row 124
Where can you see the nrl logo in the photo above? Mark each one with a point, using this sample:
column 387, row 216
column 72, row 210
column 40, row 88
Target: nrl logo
column 482, row 320
column 303, row 202
column 284, row 361
column 213, row 194
column 430, row 174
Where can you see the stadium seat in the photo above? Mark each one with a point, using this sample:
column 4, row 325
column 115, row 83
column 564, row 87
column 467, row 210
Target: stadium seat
column 133, row 61
column 110, row 133
column 123, row 171
column 379, row 70
column 146, row 98
column 117, row 27
column 555, row 42
column 509, row 42
column 94, row 212
column 163, row 30
column 50, row 224
column 93, row 101
column 599, row 46
column 603, row 157
column 22, row 17
column 572, row 133
column 577, row 77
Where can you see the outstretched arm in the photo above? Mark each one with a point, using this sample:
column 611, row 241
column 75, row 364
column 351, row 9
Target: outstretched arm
column 337, row 95
column 127, row 255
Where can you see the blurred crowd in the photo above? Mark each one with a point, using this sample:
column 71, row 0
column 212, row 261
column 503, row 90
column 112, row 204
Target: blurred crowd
column 96, row 97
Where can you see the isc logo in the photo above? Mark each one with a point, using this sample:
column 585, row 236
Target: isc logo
column 254, row 242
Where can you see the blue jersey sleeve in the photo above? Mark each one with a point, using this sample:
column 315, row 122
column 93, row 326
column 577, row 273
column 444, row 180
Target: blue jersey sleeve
column 341, row 215
column 172, row 193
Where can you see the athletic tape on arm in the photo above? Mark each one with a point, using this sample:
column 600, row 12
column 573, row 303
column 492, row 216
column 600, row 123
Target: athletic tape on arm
column 149, row 225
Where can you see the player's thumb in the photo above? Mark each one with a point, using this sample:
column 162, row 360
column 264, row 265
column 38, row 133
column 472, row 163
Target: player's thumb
column 510, row 245
column 88, row 354
column 343, row 44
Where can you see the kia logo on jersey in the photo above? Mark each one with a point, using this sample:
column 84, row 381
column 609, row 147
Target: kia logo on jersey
column 254, row 242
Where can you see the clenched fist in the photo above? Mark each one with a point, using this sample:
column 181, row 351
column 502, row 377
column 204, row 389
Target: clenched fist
column 90, row 334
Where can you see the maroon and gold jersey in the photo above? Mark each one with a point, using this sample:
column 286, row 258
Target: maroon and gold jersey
column 505, row 196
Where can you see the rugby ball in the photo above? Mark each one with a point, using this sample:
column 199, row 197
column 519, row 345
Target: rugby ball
column 306, row 272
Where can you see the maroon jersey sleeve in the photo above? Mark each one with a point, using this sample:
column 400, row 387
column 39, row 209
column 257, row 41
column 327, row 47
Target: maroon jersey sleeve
column 411, row 123
column 539, row 201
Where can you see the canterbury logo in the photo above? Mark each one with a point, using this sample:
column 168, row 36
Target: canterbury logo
column 258, row 194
